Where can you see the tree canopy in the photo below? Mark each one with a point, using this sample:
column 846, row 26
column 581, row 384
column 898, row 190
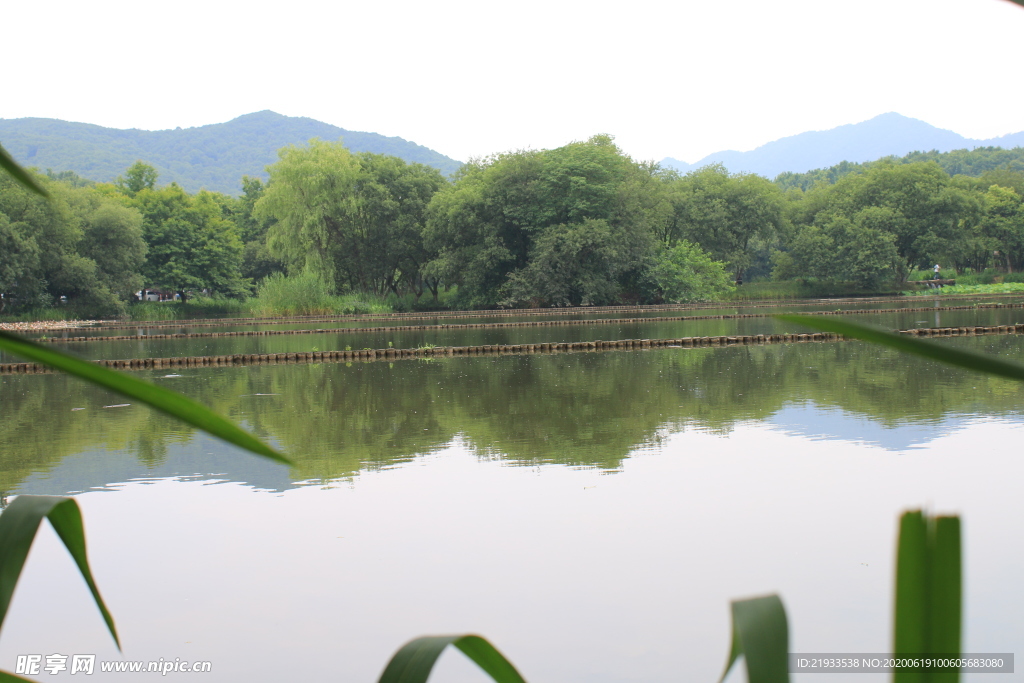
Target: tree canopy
column 577, row 225
column 354, row 219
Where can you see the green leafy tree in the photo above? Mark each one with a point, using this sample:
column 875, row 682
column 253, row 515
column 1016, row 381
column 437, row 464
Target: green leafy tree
column 724, row 213
column 476, row 241
column 78, row 246
column 138, row 177
column 927, row 213
column 860, row 250
column 112, row 238
column 390, row 203
column 19, row 262
column 192, row 244
column 355, row 220
column 309, row 197
column 865, row 248
column 257, row 262
column 685, row 273
column 1004, row 224
column 503, row 212
column 570, row 265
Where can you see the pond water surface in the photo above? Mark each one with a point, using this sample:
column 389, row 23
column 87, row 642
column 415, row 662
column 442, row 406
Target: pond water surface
column 591, row 514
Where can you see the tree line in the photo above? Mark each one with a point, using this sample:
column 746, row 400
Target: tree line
column 577, row 225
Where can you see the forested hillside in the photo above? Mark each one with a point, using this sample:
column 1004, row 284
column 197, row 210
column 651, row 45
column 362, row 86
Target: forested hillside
column 582, row 224
column 213, row 157
column 974, row 163
column 885, row 135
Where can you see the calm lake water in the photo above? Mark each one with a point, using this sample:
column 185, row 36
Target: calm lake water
column 591, row 514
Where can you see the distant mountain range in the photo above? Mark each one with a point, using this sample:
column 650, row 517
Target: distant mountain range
column 885, row 135
column 214, row 157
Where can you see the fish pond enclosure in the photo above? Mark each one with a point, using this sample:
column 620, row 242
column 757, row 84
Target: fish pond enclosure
column 588, row 490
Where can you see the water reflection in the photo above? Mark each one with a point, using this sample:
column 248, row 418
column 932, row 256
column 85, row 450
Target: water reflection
column 470, row 495
column 578, row 577
column 581, row 410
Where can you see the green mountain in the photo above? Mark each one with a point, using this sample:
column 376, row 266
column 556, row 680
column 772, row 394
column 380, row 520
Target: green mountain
column 975, row 163
column 214, row 157
column 885, row 135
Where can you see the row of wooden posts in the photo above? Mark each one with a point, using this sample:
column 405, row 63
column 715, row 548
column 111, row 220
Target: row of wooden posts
column 532, row 312
column 390, row 354
column 493, row 325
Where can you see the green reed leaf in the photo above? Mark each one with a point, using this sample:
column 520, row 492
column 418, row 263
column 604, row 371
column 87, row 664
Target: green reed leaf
column 928, row 594
column 8, row 164
column 946, row 594
column 7, row 677
column 760, row 634
column 978, row 362
column 911, row 616
column 167, row 401
column 414, row 661
column 18, row 526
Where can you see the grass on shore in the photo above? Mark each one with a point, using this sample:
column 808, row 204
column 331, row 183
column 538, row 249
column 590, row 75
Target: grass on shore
column 278, row 295
column 801, row 289
column 304, row 294
column 981, row 290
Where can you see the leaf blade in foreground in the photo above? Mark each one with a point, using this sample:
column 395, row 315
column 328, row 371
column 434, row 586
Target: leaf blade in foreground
column 929, row 595
column 415, row 660
column 760, row 634
column 8, row 163
column 970, row 360
column 167, row 401
column 18, row 526
column 910, row 619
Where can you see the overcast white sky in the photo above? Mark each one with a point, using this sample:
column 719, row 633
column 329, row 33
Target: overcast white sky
column 679, row 78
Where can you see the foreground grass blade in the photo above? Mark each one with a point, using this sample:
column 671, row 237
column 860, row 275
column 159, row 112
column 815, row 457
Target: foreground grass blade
column 8, row 164
column 946, row 595
column 928, row 594
column 165, row 400
column 18, row 526
column 760, row 634
column 965, row 359
column 415, row 660
column 946, row 588
column 6, row 677
column 910, row 620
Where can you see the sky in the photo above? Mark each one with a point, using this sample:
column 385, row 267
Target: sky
column 679, row 78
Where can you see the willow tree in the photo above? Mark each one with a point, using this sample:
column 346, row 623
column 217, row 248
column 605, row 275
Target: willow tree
column 356, row 220
column 309, row 195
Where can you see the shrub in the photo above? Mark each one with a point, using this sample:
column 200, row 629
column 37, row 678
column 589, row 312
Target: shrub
column 307, row 293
